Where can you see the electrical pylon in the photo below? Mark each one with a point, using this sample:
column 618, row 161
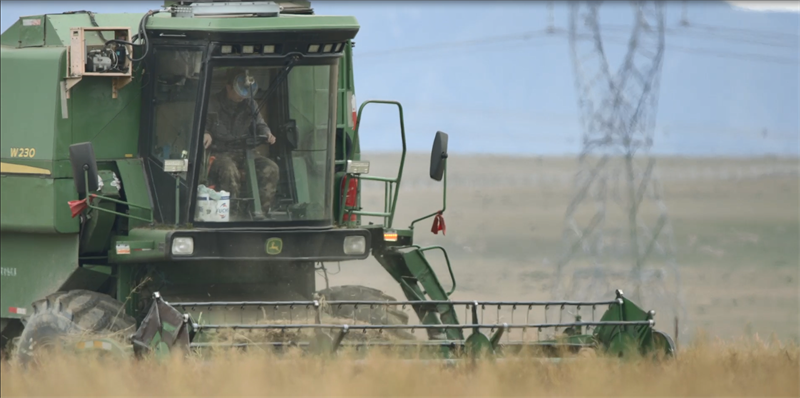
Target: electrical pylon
column 617, row 232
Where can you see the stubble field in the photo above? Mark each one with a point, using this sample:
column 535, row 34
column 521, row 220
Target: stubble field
column 745, row 368
column 735, row 224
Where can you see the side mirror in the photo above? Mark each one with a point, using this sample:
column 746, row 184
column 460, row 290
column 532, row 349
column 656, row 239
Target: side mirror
column 438, row 155
column 81, row 157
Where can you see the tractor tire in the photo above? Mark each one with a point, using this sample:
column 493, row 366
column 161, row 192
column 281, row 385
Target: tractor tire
column 65, row 314
column 378, row 315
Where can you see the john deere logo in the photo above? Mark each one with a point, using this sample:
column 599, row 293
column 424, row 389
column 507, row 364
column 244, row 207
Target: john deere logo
column 274, row 246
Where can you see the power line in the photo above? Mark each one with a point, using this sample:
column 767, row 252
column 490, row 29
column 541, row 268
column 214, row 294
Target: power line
column 462, row 51
column 554, row 31
column 737, row 40
column 462, row 43
column 446, row 47
column 564, row 119
column 750, row 32
column 717, row 53
column 680, row 31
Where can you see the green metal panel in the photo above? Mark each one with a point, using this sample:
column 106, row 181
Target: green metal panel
column 142, row 244
column 34, row 265
column 87, row 277
column 422, row 271
column 134, row 185
column 50, row 34
column 30, row 79
column 11, row 36
column 111, row 124
column 31, row 33
column 64, row 191
column 55, row 28
column 36, row 205
column 60, row 25
column 619, row 340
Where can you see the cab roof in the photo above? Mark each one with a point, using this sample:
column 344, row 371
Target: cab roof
column 52, row 30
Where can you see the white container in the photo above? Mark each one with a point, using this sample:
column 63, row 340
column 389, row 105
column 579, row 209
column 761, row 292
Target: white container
column 223, row 207
column 203, row 208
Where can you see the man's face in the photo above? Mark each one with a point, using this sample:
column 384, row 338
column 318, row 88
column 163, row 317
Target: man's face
column 233, row 95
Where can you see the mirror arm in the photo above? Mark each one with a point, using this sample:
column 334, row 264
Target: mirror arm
column 444, row 199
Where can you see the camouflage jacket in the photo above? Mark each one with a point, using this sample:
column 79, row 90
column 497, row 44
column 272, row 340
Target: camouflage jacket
column 233, row 120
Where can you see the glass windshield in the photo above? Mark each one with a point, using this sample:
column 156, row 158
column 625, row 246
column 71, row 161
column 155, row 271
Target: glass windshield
column 267, row 144
column 176, row 88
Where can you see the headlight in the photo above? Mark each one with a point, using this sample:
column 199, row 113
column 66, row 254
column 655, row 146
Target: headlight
column 355, row 245
column 182, row 246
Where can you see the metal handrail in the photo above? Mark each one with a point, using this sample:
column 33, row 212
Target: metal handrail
column 390, row 204
column 447, row 260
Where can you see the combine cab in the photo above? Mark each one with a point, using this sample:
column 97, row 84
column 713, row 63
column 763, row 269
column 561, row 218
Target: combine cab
column 173, row 175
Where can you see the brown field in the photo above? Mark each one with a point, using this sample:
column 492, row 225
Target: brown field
column 736, row 237
column 744, row 368
column 735, row 225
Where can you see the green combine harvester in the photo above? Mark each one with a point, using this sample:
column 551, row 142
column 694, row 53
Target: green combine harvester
column 174, row 175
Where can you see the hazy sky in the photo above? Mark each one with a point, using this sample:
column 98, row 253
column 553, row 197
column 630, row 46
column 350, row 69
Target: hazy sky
column 484, row 73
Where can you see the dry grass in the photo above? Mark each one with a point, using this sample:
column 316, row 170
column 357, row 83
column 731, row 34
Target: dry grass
column 738, row 368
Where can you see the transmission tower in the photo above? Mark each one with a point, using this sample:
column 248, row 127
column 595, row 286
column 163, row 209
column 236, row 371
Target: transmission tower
column 617, row 232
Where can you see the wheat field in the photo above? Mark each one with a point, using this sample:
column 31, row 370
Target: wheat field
column 750, row 367
column 736, row 231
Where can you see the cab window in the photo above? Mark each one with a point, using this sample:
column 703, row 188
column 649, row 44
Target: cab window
column 177, row 77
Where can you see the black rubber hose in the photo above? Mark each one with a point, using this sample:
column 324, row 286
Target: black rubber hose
column 143, row 34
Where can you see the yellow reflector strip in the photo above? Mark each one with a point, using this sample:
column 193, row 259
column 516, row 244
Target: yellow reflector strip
column 20, row 169
column 390, row 236
column 81, row 345
column 128, row 155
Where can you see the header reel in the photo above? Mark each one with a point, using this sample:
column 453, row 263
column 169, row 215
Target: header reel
column 623, row 330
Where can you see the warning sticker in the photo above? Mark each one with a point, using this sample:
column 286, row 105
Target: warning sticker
column 17, row 310
column 123, row 248
column 31, row 22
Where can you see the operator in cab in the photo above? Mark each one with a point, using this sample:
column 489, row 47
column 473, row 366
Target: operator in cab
column 230, row 117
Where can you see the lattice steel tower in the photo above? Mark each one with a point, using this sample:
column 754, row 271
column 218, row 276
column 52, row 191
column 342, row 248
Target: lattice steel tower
column 617, row 232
